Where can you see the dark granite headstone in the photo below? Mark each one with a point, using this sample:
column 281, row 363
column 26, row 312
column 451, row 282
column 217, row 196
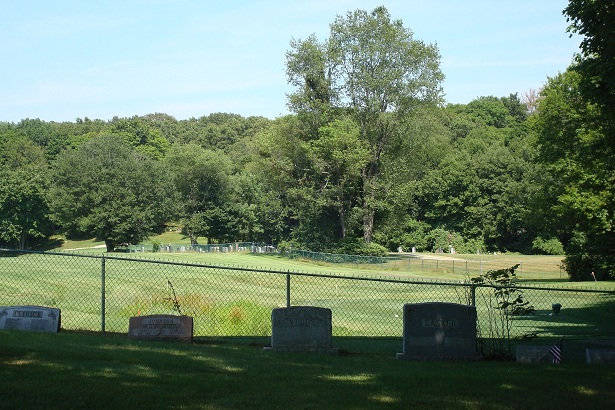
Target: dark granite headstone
column 301, row 328
column 439, row 331
column 32, row 318
column 161, row 327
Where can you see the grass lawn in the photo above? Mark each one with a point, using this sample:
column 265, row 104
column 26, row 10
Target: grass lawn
column 78, row 370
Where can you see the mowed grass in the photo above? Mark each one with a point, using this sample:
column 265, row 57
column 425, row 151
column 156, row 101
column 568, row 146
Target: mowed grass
column 79, row 370
column 536, row 268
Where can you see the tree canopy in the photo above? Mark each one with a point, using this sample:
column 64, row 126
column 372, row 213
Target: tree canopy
column 107, row 189
column 372, row 69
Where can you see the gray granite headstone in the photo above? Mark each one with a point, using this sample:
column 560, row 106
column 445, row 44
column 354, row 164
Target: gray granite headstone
column 600, row 356
column 161, row 327
column 439, row 331
column 32, row 318
column 301, row 328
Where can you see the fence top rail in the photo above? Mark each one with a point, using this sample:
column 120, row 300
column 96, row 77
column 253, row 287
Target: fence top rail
column 315, row 274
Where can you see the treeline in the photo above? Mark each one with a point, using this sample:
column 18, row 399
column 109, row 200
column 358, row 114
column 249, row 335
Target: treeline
column 464, row 178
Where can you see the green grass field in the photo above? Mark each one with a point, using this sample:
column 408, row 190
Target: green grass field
column 77, row 370
column 533, row 268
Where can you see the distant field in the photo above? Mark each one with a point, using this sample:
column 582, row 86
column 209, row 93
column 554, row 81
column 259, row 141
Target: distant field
column 537, row 269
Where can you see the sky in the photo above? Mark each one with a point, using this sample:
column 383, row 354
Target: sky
column 69, row 59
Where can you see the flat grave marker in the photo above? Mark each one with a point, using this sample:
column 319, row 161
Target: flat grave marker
column 161, row 327
column 600, row 356
column 439, row 331
column 30, row 318
column 533, row 354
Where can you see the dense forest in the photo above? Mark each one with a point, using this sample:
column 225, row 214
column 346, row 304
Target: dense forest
column 371, row 159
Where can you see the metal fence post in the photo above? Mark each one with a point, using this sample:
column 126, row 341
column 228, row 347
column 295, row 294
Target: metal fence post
column 102, row 295
column 473, row 295
column 288, row 290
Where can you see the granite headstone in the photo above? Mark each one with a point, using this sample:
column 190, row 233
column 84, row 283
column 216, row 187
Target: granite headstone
column 161, row 327
column 439, row 331
column 32, row 318
column 301, row 328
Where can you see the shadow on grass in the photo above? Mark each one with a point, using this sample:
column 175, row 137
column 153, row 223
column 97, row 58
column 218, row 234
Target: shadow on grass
column 83, row 370
column 579, row 327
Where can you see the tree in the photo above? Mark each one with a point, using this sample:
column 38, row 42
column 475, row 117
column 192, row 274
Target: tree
column 571, row 138
column 481, row 188
column 109, row 190
column 338, row 156
column 595, row 21
column 202, row 178
column 576, row 134
column 373, row 69
column 24, row 211
column 140, row 135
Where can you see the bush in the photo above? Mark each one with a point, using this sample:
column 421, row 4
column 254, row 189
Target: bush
column 357, row 246
column 551, row 246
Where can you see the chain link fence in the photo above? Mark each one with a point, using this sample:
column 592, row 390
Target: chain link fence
column 101, row 293
column 437, row 262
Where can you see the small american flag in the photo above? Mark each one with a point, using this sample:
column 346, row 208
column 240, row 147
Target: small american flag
column 556, row 352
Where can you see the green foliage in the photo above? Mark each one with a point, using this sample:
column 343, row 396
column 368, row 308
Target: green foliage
column 24, row 210
column 551, row 246
column 582, row 198
column 202, row 178
column 490, row 111
column 356, row 246
column 595, row 21
column 413, row 235
column 139, row 135
column 482, row 189
column 371, row 69
column 156, row 245
column 108, row 189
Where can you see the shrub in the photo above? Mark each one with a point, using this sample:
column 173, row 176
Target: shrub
column 551, row 246
column 356, row 246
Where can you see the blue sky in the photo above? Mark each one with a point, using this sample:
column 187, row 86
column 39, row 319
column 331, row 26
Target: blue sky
column 65, row 59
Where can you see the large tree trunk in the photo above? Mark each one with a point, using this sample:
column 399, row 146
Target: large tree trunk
column 110, row 245
column 369, row 176
column 193, row 238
